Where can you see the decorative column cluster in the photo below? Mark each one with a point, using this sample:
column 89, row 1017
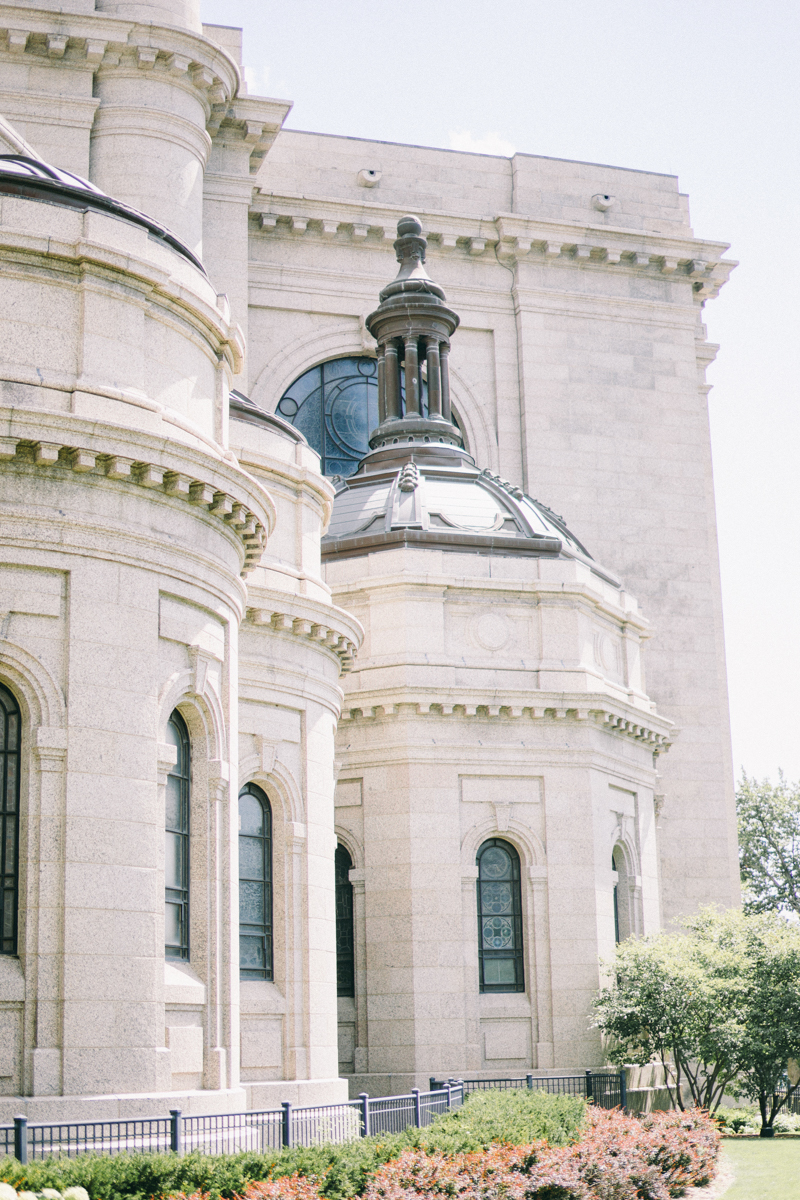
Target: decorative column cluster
column 412, row 326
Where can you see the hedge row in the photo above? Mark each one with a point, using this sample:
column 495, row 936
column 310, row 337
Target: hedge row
column 519, row 1117
column 615, row 1158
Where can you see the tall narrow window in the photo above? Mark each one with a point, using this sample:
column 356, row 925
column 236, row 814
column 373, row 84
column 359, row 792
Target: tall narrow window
column 176, row 855
column 623, row 924
column 255, row 884
column 345, row 950
column 9, row 821
column 499, row 918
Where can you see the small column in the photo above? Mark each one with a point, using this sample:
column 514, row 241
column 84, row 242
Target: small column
column 434, row 378
column 381, row 384
column 392, row 379
column 444, row 355
column 412, row 376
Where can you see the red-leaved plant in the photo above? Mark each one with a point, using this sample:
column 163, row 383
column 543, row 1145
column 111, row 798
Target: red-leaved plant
column 617, row 1158
column 654, row 1157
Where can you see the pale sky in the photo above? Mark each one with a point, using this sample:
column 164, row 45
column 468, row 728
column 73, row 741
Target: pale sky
column 705, row 89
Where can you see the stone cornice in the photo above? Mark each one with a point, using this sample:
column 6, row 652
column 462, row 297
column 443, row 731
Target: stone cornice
column 40, row 440
column 549, row 707
column 21, row 250
column 97, row 41
column 297, row 480
column 323, row 625
column 254, row 121
column 511, row 236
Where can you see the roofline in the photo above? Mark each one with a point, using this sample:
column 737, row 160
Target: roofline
column 344, row 137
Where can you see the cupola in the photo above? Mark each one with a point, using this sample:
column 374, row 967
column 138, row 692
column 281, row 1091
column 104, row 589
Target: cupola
column 418, row 485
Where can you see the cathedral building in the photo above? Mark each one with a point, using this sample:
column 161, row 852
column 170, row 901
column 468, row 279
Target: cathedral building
column 334, row 757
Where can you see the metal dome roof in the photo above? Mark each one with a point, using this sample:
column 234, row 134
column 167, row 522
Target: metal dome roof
column 33, row 179
column 430, row 495
column 418, row 486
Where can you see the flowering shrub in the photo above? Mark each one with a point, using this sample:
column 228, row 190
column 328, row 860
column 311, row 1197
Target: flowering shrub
column 617, row 1158
column 286, row 1187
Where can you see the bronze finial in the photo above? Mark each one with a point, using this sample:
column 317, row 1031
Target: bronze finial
column 412, row 327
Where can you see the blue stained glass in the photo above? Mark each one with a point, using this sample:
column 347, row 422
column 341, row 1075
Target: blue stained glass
column 335, row 405
column 500, row 918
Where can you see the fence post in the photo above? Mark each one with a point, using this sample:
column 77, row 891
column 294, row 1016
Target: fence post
column 21, row 1139
column 623, row 1090
column 589, row 1093
column 286, row 1124
column 449, row 1097
column 529, row 1082
column 434, row 1084
column 175, row 1130
column 364, row 1098
column 417, row 1111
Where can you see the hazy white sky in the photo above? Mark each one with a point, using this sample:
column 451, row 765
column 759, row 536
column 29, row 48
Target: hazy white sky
column 705, row 89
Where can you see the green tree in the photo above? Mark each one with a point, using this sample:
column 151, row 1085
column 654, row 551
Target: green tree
column 769, row 845
column 718, row 1006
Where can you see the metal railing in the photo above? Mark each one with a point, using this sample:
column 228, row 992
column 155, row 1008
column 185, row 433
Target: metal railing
column 606, row 1089
column 272, row 1129
column 228, row 1133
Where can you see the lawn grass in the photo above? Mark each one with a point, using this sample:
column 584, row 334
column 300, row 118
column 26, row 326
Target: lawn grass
column 765, row 1169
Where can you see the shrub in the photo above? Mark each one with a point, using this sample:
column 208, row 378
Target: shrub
column 514, row 1116
column 617, row 1158
column 491, row 1149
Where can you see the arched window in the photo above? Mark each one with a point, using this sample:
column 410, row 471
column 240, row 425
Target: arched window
column 9, row 820
column 255, row 884
column 176, row 855
column 336, row 406
column 499, row 918
column 623, row 924
column 345, row 947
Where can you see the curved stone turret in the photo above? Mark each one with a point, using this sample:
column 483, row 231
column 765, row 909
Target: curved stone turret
column 185, row 14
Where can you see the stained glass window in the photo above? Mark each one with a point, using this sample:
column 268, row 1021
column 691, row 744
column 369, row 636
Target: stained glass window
column 9, row 820
column 345, row 948
column 336, row 406
column 176, row 849
column 499, row 918
column 255, row 884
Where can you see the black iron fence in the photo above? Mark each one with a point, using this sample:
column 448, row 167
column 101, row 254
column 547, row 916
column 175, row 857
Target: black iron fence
column 228, row 1133
column 271, row 1129
column 606, row 1089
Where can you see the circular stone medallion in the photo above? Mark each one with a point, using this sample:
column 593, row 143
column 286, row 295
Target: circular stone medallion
column 492, row 631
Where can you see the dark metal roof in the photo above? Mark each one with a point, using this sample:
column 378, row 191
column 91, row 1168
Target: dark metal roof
column 242, row 408
column 36, row 180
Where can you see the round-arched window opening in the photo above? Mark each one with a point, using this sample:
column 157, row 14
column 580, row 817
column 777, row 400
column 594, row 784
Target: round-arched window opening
column 335, row 405
column 623, row 905
column 499, row 918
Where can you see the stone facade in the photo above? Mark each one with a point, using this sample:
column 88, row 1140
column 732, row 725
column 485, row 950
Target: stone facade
column 163, row 552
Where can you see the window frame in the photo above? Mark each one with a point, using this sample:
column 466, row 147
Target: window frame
column 182, row 771
column 517, row 953
column 326, row 385
column 345, row 923
column 266, row 928
column 11, row 718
